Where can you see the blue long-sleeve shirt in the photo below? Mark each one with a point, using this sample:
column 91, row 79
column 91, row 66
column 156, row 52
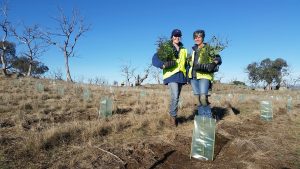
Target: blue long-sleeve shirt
column 177, row 77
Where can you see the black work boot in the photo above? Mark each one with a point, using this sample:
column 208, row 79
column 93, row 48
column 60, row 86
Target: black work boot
column 173, row 121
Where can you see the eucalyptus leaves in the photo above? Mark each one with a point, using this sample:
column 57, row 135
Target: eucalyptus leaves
column 216, row 45
column 165, row 50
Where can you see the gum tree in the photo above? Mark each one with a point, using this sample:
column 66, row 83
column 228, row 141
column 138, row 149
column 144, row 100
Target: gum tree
column 32, row 38
column 5, row 25
column 127, row 71
column 140, row 79
column 267, row 71
column 69, row 30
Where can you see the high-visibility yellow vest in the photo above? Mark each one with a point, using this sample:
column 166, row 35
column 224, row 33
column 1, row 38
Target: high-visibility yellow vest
column 180, row 66
column 204, row 58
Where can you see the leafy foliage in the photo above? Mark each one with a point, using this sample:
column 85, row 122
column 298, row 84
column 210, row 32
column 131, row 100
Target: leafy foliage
column 253, row 71
column 236, row 82
column 21, row 64
column 267, row 71
column 216, row 45
column 165, row 50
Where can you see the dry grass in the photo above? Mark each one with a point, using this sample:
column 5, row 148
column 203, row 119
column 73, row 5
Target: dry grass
column 58, row 126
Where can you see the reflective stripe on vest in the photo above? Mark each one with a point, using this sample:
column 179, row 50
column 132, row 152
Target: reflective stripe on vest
column 180, row 66
column 203, row 58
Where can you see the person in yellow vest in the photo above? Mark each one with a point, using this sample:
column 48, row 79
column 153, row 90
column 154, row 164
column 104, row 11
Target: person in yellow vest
column 174, row 73
column 201, row 71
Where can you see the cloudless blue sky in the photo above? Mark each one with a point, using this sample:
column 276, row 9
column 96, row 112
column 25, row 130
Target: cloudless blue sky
column 126, row 31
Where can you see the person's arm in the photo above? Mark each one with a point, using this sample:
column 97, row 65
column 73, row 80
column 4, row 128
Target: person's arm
column 157, row 62
column 162, row 65
column 202, row 67
column 210, row 67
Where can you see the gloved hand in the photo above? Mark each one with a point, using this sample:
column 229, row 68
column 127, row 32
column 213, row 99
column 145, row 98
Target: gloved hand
column 211, row 67
column 208, row 68
column 169, row 64
column 218, row 59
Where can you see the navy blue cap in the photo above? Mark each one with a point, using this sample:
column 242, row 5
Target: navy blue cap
column 176, row 33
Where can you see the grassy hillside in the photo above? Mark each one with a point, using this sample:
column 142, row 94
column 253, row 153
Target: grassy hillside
column 54, row 124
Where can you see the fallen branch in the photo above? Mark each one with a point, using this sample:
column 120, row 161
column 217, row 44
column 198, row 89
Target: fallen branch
column 124, row 163
column 112, row 155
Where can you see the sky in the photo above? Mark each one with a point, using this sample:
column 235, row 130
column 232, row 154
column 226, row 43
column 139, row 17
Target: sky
column 125, row 32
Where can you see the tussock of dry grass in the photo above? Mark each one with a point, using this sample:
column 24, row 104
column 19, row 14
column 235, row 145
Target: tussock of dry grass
column 48, row 129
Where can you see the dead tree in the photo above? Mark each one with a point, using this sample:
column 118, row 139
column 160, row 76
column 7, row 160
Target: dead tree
column 157, row 74
column 128, row 72
column 32, row 38
column 4, row 24
column 8, row 51
column 100, row 81
column 296, row 80
column 139, row 80
column 57, row 74
column 69, row 31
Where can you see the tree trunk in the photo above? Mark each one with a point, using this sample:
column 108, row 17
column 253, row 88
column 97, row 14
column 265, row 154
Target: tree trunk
column 268, row 87
column 3, row 64
column 158, row 80
column 69, row 79
column 139, row 80
column 128, row 82
column 29, row 69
